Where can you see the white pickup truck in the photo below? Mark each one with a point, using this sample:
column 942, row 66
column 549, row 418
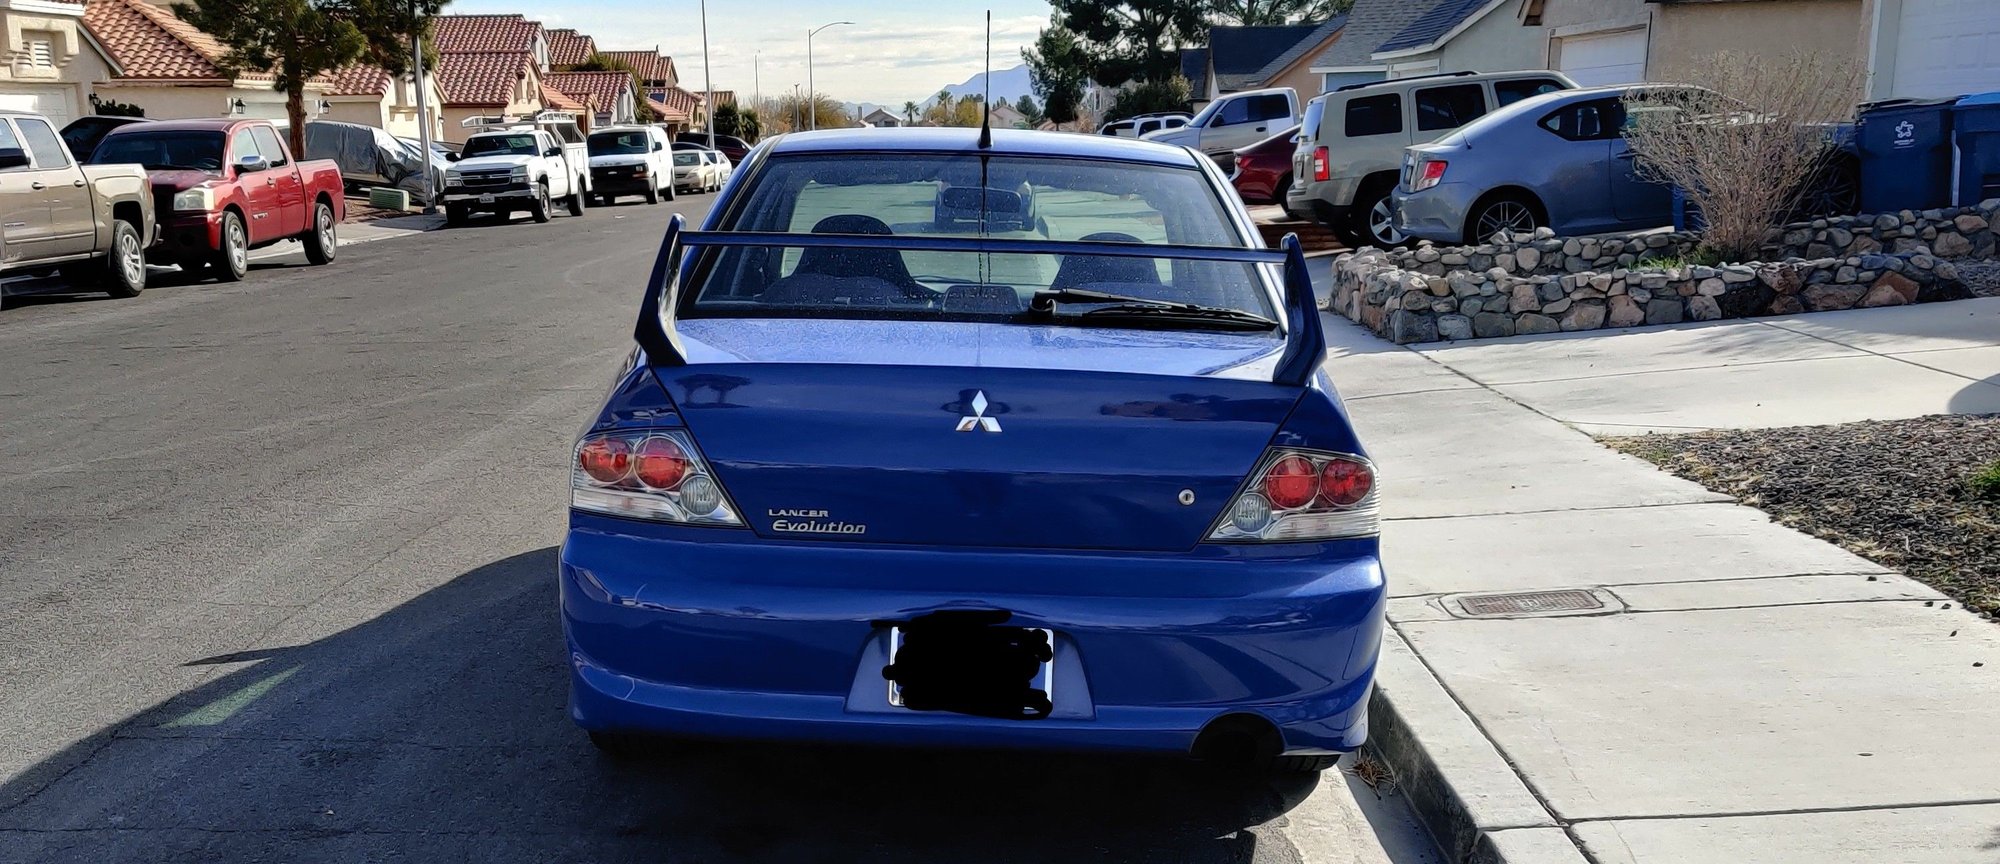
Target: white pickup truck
column 1236, row 120
column 512, row 165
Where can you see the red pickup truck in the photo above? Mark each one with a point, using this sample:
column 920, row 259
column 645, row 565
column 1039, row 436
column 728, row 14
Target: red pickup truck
column 225, row 187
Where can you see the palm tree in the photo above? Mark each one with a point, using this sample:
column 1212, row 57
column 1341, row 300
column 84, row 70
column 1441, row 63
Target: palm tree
column 910, row 110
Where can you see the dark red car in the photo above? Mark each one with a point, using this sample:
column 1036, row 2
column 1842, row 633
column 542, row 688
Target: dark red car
column 1263, row 171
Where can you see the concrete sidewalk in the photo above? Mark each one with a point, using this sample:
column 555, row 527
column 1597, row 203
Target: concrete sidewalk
column 1729, row 691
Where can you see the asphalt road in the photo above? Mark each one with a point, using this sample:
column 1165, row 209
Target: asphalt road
column 278, row 567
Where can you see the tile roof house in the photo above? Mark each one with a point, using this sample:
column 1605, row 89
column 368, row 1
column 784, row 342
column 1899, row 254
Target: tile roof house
column 172, row 70
column 369, row 95
column 677, row 107
column 1253, row 58
column 487, row 84
column 654, row 70
column 609, row 95
column 1369, row 23
column 487, row 34
column 568, row 48
column 53, row 59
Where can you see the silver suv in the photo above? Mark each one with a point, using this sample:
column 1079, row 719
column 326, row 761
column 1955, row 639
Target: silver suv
column 1350, row 150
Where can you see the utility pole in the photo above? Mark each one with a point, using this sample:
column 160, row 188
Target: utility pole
column 707, row 86
column 796, row 121
column 423, row 116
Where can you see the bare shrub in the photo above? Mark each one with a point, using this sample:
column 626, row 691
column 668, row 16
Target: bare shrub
column 1744, row 140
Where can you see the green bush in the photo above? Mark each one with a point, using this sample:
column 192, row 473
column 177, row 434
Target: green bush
column 1985, row 483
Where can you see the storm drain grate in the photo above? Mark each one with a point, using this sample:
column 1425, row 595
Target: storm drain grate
column 1529, row 603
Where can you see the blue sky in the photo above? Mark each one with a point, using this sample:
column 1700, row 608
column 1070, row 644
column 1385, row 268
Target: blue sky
column 898, row 50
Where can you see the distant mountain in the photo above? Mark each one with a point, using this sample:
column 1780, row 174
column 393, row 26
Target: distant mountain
column 1010, row 84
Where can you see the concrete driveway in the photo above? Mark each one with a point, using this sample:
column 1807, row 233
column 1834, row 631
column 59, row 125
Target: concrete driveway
column 1822, row 368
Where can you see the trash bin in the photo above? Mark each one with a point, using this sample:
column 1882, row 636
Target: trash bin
column 1976, row 126
column 1905, row 154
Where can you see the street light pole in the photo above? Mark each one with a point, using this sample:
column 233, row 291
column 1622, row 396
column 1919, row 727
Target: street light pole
column 796, row 122
column 812, row 93
column 707, row 85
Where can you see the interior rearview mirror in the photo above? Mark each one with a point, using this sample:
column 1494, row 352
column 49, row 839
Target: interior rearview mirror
column 1000, row 209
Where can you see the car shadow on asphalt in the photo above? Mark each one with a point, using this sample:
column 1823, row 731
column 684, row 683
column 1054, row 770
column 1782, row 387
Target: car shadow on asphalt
column 438, row 731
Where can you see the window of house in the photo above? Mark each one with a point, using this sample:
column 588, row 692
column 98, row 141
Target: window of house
column 1448, row 107
column 1375, row 115
column 42, row 141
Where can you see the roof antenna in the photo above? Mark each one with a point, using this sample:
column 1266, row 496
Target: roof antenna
column 986, row 105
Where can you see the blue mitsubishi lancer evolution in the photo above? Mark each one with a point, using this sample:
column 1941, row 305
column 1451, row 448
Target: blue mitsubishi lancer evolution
column 946, row 438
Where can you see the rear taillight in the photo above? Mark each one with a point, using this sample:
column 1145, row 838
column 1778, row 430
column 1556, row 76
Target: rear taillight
column 654, row 474
column 1303, row 495
column 1428, row 173
column 1320, row 163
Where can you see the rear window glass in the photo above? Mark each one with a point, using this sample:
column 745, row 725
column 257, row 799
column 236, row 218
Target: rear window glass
column 1375, row 115
column 918, row 195
column 1510, row 92
column 1449, row 107
column 1309, row 125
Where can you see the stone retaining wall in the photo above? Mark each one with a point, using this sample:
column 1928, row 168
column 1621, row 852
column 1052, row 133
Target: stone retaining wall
column 1543, row 284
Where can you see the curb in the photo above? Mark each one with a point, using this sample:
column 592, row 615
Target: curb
column 1476, row 808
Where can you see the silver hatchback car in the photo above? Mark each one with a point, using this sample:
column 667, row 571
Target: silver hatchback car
column 1557, row 160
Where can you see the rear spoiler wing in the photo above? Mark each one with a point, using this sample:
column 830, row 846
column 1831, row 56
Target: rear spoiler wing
column 1305, row 341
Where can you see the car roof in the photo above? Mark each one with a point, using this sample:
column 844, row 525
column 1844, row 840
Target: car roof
column 203, row 125
column 1006, row 142
column 1446, row 78
column 623, row 127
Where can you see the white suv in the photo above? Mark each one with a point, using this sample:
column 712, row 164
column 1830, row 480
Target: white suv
column 1236, row 120
column 1350, row 150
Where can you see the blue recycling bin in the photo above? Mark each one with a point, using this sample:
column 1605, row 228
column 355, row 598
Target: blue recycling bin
column 1905, row 154
column 1976, row 126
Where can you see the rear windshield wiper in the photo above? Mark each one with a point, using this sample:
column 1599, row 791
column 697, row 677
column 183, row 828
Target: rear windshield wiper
column 1126, row 307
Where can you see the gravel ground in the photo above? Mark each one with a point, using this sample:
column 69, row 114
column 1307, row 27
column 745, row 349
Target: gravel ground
column 1893, row 492
column 1982, row 275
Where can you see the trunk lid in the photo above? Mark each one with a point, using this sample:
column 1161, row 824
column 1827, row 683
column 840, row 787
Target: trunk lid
column 1073, row 438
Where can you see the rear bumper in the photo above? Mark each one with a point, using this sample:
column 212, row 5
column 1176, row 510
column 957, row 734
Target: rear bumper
column 711, row 632
column 1437, row 214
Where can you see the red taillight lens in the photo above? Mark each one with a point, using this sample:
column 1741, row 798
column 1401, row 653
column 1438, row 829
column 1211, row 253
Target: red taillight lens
column 1343, row 483
column 653, row 474
column 1291, row 482
column 1320, row 163
column 659, row 463
column 1428, row 175
column 606, row 460
column 1301, row 495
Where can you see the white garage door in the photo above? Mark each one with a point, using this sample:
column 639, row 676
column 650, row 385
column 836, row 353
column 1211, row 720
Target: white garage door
column 1947, row 48
column 1603, row 58
column 53, row 102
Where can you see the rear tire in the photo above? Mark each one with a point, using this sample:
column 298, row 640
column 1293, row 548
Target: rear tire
column 576, row 201
column 232, row 262
column 1303, row 764
column 652, row 196
column 322, row 237
column 1374, row 219
column 1506, row 211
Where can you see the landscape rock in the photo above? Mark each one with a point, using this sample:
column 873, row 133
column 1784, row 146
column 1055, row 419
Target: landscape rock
column 1663, row 312
column 1533, row 323
column 1624, row 312
column 1525, row 299
column 1823, row 298
column 1487, row 325
column 1882, row 295
column 1454, row 327
column 1585, row 315
column 1709, row 287
column 1904, row 286
column 1703, row 308
column 1527, row 257
column 1952, row 246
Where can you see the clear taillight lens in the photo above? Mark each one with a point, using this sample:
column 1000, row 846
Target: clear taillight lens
column 1320, row 164
column 1303, row 495
column 654, row 474
column 1427, row 174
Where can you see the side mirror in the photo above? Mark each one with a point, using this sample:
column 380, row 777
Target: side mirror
column 552, row 152
column 13, row 157
column 450, row 156
column 251, row 163
column 657, row 146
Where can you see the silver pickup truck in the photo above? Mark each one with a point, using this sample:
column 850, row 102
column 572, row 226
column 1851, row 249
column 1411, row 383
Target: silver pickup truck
column 92, row 222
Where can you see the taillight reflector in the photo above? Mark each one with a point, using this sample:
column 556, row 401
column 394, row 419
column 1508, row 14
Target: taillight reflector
column 1291, row 483
column 606, row 460
column 1429, row 172
column 659, row 463
column 1303, row 495
column 657, row 475
column 1320, row 164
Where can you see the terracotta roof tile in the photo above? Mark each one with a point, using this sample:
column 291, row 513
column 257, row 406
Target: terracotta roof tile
column 150, row 42
column 568, row 47
column 650, row 66
column 464, row 34
column 597, row 89
column 480, row 79
column 360, row 79
column 556, row 99
column 675, row 103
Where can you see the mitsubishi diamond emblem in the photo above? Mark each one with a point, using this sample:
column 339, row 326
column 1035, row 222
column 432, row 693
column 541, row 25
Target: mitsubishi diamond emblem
column 978, row 419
